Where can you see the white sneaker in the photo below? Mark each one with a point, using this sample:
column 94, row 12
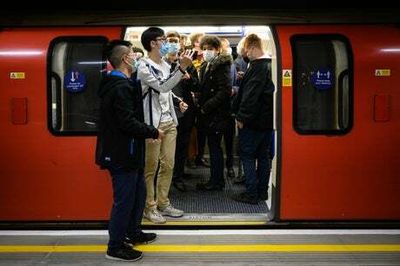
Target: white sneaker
column 154, row 216
column 171, row 211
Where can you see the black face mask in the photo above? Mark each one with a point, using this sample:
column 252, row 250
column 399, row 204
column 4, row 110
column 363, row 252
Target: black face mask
column 246, row 59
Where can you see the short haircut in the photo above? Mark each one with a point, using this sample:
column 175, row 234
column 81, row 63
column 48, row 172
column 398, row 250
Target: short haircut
column 173, row 33
column 137, row 50
column 151, row 34
column 173, row 36
column 252, row 40
column 194, row 37
column 114, row 51
column 210, row 40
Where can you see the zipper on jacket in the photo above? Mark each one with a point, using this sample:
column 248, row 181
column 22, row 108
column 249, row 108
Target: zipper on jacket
column 132, row 145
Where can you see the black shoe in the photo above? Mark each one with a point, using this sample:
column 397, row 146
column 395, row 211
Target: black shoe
column 231, row 173
column 124, row 254
column 208, row 187
column 239, row 180
column 179, row 185
column 245, row 198
column 202, row 162
column 142, row 238
column 263, row 196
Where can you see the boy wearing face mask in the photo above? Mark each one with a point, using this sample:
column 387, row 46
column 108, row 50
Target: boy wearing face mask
column 157, row 81
column 183, row 90
column 215, row 87
column 120, row 150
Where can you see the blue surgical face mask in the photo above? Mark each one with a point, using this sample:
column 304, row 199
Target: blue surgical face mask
column 164, row 49
column 133, row 64
column 173, row 47
column 208, row 55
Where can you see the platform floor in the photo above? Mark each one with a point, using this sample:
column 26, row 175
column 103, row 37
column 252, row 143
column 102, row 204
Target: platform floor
column 208, row 247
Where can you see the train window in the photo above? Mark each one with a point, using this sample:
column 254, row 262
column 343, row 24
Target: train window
column 75, row 68
column 322, row 90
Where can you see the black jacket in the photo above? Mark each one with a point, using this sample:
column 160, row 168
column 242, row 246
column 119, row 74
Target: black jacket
column 254, row 103
column 120, row 140
column 215, row 92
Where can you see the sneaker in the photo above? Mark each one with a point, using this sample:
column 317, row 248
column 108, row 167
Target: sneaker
column 171, row 211
column 142, row 238
column 154, row 216
column 124, row 254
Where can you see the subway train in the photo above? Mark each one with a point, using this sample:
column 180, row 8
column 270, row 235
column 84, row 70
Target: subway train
column 336, row 124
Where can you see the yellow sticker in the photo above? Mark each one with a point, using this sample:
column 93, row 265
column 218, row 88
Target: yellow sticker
column 286, row 77
column 382, row 72
column 17, row 75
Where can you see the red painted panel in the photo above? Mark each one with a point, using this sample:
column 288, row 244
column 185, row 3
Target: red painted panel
column 44, row 177
column 19, row 111
column 382, row 108
column 354, row 176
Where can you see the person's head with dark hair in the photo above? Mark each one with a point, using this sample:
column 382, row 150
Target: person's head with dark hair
column 115, row 50
column 211, row 46
column 120, row 55
column 210, row 41
column 139, row 53
column 152, row 37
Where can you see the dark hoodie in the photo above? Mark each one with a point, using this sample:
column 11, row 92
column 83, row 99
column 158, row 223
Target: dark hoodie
column 120, row 140
column 215, row 89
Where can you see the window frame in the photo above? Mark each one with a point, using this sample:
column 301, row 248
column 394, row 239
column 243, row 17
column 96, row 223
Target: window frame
column 350, row 71
column 50, row 75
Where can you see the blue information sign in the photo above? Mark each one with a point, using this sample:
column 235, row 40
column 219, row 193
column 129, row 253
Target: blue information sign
column 323, row 79
column 74, row 81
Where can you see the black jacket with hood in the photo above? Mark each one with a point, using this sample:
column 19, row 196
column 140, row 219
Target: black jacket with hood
column 121, row 135
column 215, row 93
column 253, row 103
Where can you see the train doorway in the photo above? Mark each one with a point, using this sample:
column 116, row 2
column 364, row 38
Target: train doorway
column 218, row 207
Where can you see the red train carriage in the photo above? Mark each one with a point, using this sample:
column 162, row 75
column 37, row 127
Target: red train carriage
column 337, row 120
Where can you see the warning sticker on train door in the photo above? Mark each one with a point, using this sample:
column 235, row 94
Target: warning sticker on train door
column 382, row 72
column 286, row 77
column 17, row 75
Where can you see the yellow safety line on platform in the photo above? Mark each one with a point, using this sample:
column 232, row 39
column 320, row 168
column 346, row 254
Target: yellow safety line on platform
column 209, row 248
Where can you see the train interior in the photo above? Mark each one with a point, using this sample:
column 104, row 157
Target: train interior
column 214, row 206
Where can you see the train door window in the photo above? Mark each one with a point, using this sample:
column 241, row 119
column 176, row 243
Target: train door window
column 76, row 67
column 322, row 91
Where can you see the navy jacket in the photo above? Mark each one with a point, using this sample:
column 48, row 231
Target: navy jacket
column 121, row 135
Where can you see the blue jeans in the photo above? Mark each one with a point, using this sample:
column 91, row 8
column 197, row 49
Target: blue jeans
column 127, row 211
column 254, row 153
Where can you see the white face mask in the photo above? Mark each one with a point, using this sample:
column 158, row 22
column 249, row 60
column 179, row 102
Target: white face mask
column 229, row 51
column 208, row 55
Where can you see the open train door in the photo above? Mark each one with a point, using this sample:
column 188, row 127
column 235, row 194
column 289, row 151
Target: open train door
column 339, row 122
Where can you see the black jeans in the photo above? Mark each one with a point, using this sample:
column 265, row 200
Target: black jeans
column 185, row 125
column 129, row 193
column 216, row 159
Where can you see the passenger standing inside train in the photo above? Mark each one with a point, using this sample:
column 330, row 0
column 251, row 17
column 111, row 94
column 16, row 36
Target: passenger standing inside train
column 185, row 109
column 254, row 117
column 198, row 60
column 120, row 150
column 230, row 130
column 157, row 82
column 215, row 111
